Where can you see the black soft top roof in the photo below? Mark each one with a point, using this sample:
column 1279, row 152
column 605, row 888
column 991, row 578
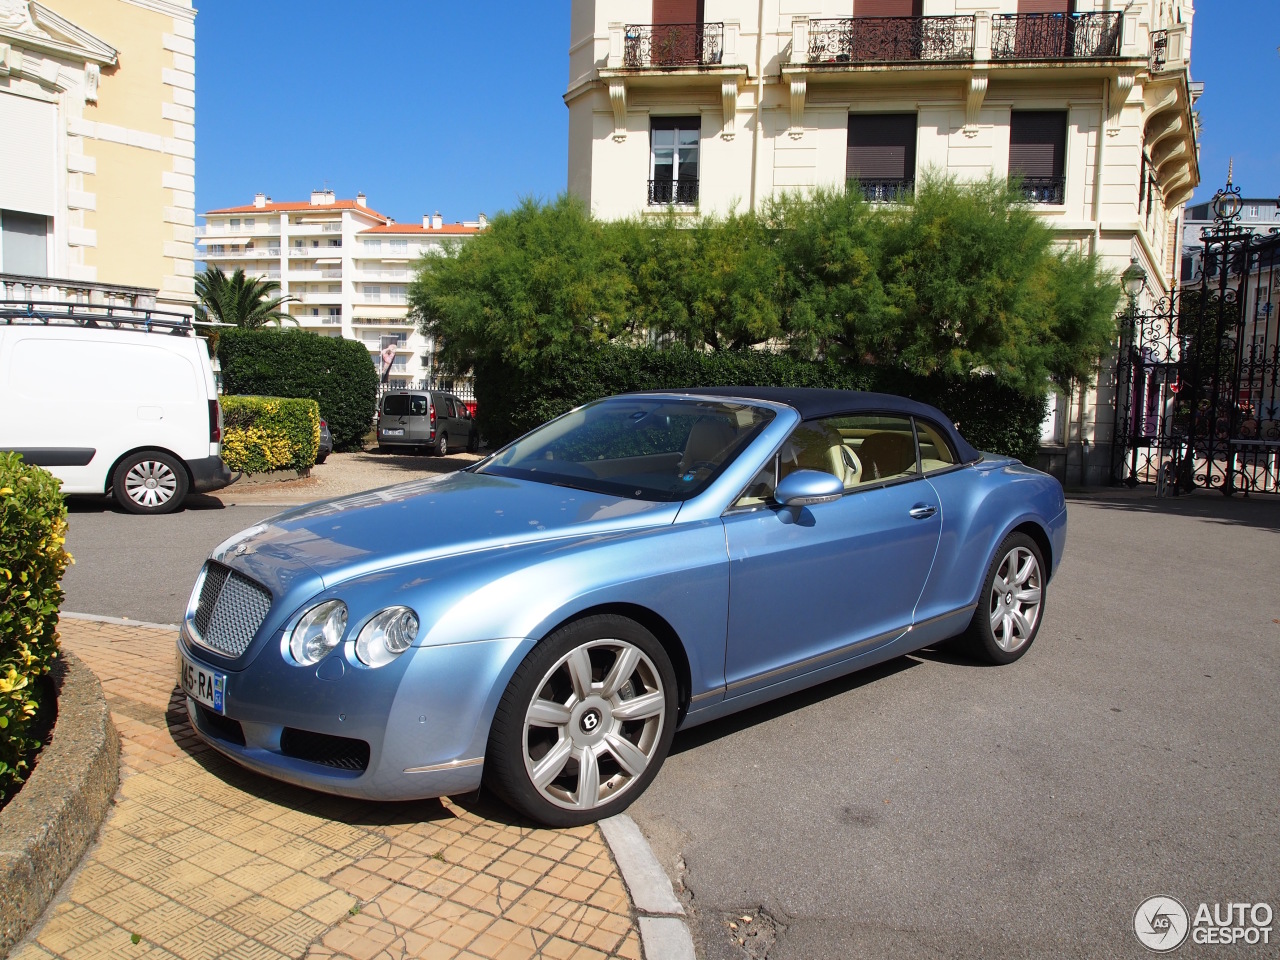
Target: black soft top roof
column 812, row 403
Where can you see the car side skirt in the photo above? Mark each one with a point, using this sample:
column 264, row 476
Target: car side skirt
column 820, row 669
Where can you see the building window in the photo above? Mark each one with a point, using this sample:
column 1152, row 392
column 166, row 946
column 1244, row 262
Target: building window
column 372, row 292
column 400, row 247
column 881, row 156
column 373, row 246
column 1253, row 212
column 1037, row 152
column 249, row 221
column 673, row 160
column 235, row 223
column 24, row 244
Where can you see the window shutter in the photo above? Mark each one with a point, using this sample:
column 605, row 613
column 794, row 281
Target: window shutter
column 886, row 8
column 677, row 11
column 1037, row 143
column 882, row 146
column 27, row 155
column 1045, row 6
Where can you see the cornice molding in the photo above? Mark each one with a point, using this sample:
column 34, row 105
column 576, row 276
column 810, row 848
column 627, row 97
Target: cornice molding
column 180, row 10
column 49, row 33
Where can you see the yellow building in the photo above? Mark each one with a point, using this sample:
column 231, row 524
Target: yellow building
column 97, row 156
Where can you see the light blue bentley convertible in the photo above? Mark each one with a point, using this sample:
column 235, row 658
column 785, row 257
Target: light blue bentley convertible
column 544, row 621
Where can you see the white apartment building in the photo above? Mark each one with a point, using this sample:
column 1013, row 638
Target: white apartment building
column 347, row 266
column 707, row 106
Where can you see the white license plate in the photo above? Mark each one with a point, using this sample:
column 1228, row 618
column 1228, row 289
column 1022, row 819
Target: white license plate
column 393, row 433
column 206, row 686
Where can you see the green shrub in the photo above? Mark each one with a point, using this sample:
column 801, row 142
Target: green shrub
column 513, row 401
column 336, row 373
column 33, row 527
column 269, row 433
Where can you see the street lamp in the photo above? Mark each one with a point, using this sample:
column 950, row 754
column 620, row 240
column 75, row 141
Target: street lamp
column 1133, row 279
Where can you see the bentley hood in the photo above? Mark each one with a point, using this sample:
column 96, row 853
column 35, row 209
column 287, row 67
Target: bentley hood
column 422, row 520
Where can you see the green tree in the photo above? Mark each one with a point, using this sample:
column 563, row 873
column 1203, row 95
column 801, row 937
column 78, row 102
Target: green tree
column 544, row 278
column 239, row 300
column 975, row 282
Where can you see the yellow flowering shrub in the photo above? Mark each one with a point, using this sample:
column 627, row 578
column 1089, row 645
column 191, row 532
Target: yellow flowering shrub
column 33, row 556
column 269, row 433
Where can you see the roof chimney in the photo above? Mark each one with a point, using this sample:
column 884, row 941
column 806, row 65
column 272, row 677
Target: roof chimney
column 361, row 201
column 321, row 198
column 426, row 221
column 437, row 221
column 259, row 200
column 483, row 221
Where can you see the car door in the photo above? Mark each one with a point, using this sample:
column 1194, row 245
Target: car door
column 812, row 586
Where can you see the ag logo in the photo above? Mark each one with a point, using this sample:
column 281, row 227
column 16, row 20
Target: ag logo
column 1161, row 923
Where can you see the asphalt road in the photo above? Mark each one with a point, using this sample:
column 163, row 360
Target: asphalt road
column 935, row 808
column 932, row 807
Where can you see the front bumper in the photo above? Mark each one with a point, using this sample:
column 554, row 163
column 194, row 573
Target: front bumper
column 415, row 728
column 208, row 473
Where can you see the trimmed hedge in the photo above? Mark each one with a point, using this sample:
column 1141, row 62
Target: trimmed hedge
column 33, row 528
column 511, row 402
column 336, row 373
column 269, row 433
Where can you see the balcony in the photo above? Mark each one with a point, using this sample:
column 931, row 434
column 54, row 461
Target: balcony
column 218, row 252
column 318, row 298
column 314, row 252
column 884, row 191
column 673, row 45
column 1056, row 36
column 891, row 39
column 308, row 228
column 327, row 273
column 680, row 192
column 1046, row 190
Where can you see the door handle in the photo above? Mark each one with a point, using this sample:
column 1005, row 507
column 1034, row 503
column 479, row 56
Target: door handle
column 922, row 511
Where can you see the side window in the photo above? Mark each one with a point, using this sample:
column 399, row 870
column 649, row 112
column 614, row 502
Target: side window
column 878, row 447
column 935, row 450
column 451, row 406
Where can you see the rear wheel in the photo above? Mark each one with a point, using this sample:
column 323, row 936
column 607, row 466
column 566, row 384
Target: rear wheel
column 584, row 724
column 442, row 445
column 149, row 482
column 1011, row 604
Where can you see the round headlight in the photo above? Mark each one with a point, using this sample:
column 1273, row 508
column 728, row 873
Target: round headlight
column 319, row 631
column 386, row 636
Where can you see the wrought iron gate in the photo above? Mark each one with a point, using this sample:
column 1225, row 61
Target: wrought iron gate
column 1198, row 376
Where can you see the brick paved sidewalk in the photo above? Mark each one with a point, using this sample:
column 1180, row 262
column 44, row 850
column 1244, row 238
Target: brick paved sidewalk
column 200, row 859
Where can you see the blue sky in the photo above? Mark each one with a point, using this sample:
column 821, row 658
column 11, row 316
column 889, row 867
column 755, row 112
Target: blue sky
column 429, row 105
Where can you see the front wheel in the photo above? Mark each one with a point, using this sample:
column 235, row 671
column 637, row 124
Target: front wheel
column 149, row 482
column 1011, row 604
column 584, row 724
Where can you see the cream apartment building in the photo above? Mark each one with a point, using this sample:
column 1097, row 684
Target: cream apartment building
column 346, row 265
column 97, row 151
column 710, row 105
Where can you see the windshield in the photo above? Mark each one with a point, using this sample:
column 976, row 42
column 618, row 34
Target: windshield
column 637, row 447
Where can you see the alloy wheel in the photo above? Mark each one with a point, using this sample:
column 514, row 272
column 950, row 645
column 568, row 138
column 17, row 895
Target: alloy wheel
column 594, row 725
column 1015, row 598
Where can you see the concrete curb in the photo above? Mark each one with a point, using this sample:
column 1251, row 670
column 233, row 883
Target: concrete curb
column 663, row 931
column 96, row 618
column 46, row 828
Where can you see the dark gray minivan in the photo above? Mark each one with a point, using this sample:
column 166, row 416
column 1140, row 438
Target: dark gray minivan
column 426, row 420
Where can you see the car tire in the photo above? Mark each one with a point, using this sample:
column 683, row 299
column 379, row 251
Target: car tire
column 442, row 445
column 473, row 443
column 584, row 724
column 322, row 458
column 1011, row 604
column 149, row 482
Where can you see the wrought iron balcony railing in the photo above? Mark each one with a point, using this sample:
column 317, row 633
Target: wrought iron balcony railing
column 891, row 39
column 673, row 191
column 1055, row 36
column 1159, row 49
column 1051, row 190
column 884, row 191
column 673, row 44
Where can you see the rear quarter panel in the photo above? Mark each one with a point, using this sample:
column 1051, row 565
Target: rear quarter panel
column 980, row 505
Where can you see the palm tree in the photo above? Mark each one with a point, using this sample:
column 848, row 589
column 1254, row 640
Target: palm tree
column 239, row 300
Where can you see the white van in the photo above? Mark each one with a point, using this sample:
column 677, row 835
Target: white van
column 111, row 400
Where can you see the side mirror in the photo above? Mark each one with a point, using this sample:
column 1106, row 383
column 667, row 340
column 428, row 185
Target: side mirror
column 804, row 488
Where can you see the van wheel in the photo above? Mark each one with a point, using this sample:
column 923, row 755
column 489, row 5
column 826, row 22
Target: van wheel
column 149, row 482
column 442, row 445
column 473, row 443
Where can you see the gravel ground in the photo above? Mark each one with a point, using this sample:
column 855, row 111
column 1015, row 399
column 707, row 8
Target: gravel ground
column 340, row 474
